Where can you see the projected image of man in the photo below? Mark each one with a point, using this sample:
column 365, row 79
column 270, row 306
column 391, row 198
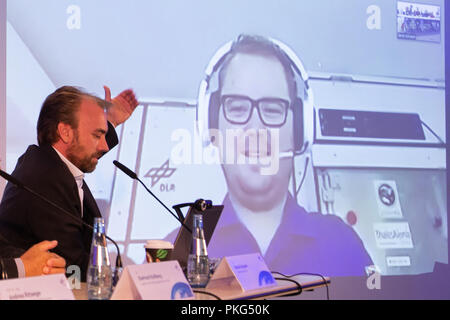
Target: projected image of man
column 261, row 93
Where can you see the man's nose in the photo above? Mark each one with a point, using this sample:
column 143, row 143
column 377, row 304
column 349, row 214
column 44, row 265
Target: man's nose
column 103, row 145
column 255, row 121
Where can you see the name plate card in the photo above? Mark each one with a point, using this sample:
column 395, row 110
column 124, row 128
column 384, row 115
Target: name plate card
column 246, row 272
column 49, row 287
column 153, row 281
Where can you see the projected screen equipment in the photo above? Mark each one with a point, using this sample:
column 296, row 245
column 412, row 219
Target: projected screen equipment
column 325, row 146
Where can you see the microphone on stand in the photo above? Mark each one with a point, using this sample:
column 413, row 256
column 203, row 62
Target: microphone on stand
column 134, row 176
column 22, row 186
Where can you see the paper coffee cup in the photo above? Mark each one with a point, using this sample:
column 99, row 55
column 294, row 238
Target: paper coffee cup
column 158, row 250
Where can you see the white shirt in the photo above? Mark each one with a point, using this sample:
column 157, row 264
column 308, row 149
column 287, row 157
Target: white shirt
column 78, row 176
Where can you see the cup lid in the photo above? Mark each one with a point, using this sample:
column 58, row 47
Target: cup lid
column 158, row 244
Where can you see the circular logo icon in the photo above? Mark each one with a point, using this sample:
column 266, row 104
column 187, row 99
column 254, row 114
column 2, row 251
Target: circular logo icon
column 386, row 194
column 161, row 254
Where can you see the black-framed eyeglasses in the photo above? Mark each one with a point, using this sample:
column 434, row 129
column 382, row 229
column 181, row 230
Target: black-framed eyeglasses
column 238, row 109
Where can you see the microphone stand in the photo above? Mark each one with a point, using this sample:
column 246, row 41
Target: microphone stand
column 178, row 207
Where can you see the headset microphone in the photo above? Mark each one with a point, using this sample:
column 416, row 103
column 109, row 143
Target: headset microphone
column 291, row 153
column 286, row 154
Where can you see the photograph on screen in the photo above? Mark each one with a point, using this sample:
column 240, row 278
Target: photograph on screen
column 417, row 21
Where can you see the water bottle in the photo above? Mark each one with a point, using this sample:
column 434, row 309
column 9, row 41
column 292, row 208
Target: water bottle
column 99, row 274
column 198, row 264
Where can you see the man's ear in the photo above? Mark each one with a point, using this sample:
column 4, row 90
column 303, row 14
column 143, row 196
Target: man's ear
column 65, row 132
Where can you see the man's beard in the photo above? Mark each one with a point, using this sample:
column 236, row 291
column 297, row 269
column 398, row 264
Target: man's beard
column 84, row 163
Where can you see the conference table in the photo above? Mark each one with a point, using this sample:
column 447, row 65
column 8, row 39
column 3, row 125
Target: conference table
column 284, row 286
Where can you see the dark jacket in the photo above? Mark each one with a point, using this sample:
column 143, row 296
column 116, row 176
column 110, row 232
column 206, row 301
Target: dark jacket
column 8, row 265
column 26, row 220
